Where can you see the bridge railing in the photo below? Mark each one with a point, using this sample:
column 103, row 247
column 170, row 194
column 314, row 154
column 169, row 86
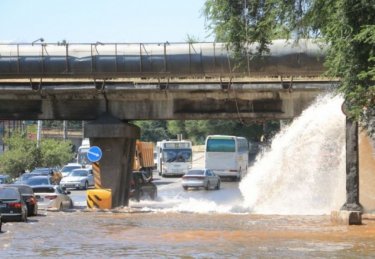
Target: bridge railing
column 123, row 60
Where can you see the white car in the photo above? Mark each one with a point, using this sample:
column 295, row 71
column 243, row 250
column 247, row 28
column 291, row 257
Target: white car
column 52, row 197
column 201, row 178
column 78, row 179
column 67, row 169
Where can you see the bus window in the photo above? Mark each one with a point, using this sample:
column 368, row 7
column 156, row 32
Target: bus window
column 221, row 145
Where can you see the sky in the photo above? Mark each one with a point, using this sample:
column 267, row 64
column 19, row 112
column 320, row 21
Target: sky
column 86, row 21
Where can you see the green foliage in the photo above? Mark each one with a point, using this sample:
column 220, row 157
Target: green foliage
column 347, row 26
column 55, row 152
column 153, row 130
column 197, row 130
column 23, row 154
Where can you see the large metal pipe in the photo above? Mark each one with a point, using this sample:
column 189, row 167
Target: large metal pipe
column 286, row 58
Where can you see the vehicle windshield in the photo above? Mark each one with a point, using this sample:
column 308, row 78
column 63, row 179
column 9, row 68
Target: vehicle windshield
column 82, row 157
column 177, row 155
column 38, row 181
column 195, row 172
column 25, row 176
column 3, row 179
column 78, row 173
column 9, row 194
column 221, row 145
column 44, row 189
column 42, row 171
column 67, row 169
column 25, row 189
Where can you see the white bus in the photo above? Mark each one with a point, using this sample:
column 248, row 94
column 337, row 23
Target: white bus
column 82, row 152
column 174, row 157
column 227, row 156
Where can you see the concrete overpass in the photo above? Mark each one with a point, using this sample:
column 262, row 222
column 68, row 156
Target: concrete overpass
column 112, row 84
column 158, row 81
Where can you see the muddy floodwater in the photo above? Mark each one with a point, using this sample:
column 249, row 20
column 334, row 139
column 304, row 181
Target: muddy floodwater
column 156, row 234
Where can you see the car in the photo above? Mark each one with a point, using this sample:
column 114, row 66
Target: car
column 141, row 186
column 52, row 197
column 5, row 179
column 201, row 178
column 12, row 206
column 68, row 168
column 47, row 171
column 42, row 171
column 78, row 179
column 23, row 178
column 39, row 180
column 28, row 196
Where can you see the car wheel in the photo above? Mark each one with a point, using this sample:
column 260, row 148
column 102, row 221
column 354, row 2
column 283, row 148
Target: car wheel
column 218, row 185
column 1, row 223
column 185, row 188
column 71, row 205
column 207, row 186
column 25, row 218
column 86, row 186
column 61, row 207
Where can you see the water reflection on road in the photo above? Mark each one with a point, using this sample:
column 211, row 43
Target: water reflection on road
column 198, row 224
column 170, row 234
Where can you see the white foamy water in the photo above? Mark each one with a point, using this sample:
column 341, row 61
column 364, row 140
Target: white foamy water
column 304, row 170
column 172, row 198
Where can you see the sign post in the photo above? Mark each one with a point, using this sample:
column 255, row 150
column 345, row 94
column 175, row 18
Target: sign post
column 94, row 154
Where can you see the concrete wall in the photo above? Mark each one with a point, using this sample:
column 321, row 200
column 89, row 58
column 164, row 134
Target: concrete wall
column 366, row 172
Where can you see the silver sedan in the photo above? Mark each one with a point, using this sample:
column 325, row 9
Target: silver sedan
column 197, row 178
column 52, row 197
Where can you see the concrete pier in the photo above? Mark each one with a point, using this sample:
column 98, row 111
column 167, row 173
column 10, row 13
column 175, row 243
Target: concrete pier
column 351, row 211
column 117, row 142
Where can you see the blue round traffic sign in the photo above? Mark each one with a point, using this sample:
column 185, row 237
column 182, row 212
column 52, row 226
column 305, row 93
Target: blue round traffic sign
column 94, row 154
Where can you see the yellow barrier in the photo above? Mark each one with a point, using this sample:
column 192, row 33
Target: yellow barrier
column 96, row 173
column 99, row 198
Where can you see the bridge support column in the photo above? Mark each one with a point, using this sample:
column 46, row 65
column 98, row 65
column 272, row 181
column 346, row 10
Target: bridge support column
column 351, row 211
column 117, row 142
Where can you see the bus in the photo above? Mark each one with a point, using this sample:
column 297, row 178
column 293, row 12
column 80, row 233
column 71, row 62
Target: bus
column 82, row 152
column 227, row 156
column 174, row 157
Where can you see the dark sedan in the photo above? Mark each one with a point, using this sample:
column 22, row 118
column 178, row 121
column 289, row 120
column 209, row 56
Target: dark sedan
column 28, row 196
column 12, row 206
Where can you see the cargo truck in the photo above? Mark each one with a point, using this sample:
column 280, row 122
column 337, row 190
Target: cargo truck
column 144, row 158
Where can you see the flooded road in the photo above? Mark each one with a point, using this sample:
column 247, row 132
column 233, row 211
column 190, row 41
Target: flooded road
column 183, row 224
column 190, row 235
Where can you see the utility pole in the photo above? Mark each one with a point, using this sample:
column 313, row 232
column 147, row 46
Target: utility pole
column 39, row 133
column 65, row 131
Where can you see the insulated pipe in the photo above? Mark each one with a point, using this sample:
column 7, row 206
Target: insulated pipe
column 101, row 61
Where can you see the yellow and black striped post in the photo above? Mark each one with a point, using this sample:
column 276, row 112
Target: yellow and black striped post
column 96, row 172
column 98, row 198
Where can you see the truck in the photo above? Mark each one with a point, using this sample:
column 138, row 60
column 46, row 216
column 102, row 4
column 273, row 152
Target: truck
column 144, row 158
column 141, row 179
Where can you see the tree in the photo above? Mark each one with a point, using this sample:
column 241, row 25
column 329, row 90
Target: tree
column 23, row 154
column 346, row 26
column 55, row 152
column 153, row 130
